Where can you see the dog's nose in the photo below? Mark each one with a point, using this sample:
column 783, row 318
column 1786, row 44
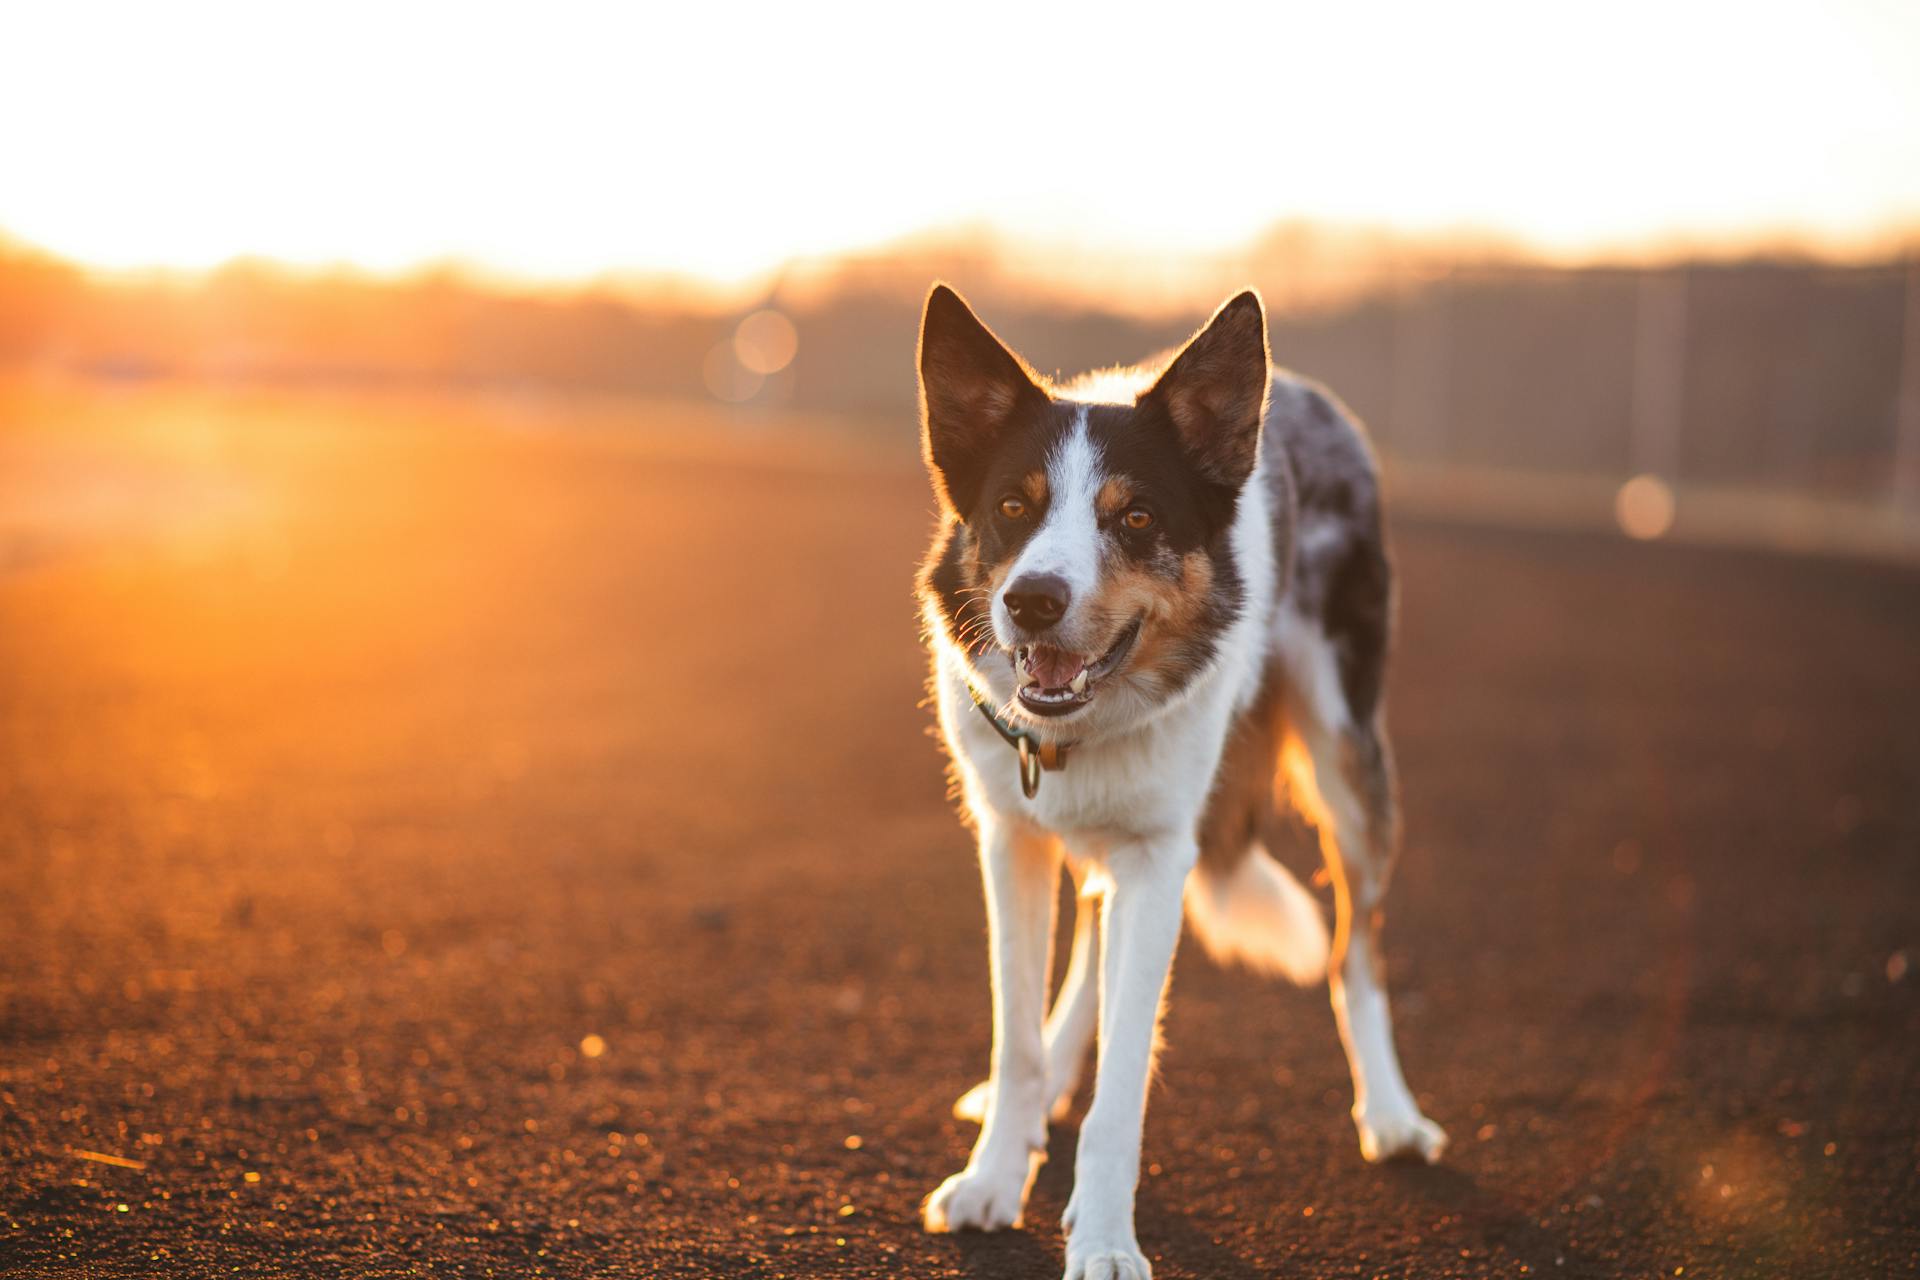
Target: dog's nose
column 1037, row 600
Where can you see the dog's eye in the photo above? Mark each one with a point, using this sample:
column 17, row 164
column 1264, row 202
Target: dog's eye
column 1137, row 518
column 1013, row 508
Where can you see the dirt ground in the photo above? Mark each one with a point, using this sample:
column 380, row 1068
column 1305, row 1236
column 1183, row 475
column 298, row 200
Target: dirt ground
column 504, row 840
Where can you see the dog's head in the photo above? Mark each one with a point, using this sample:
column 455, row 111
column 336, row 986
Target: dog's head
column 1085, row 541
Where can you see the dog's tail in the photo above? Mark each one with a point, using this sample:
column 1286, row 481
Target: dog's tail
column 1258, row 914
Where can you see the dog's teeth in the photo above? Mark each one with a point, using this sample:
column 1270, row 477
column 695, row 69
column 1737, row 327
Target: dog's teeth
column 1079, row 684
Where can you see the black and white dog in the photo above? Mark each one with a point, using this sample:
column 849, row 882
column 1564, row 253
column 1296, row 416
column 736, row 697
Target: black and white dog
column 1158, row 602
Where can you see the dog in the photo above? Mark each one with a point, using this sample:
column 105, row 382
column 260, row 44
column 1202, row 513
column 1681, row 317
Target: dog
column 1158, row 606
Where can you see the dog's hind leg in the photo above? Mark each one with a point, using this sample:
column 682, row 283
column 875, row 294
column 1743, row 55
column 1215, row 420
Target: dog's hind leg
column 1243, row 904
column 1340, row 770
column 1071, row 1024
column 1258, row 915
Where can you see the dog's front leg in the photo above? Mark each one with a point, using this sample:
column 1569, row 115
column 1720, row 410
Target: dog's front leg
column 1021, row 869
column 1141, row 928
column 1070, row 1025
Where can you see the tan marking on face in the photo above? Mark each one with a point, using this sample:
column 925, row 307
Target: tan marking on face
column 1034, row 486
column 1115, row 496
column 995, row 577
column 1171, row 607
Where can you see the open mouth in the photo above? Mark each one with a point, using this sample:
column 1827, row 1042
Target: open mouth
column 1054, row 681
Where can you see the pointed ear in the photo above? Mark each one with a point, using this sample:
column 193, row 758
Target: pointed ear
column 971, row 387
column 1215, row 391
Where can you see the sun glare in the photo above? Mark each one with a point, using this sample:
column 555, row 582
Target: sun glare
column 711, row 144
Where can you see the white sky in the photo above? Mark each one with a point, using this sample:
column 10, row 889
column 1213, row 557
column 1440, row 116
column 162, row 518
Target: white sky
column 562, row 140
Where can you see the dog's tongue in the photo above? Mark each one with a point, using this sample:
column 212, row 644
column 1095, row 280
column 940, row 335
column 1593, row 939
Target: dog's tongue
column 1053, row 668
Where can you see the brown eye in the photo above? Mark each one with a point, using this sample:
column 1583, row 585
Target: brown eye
column 1137, row 518
column 1013, row 508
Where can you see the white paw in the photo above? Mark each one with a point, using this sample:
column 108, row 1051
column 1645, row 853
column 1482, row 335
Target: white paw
column 1101, row 1250
column 978, row 1199
column 1390, row 1131
column 1107, row 1260
column 972, row 1105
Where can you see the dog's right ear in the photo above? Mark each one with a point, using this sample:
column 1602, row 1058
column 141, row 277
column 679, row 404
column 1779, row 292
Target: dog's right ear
column 971, row 388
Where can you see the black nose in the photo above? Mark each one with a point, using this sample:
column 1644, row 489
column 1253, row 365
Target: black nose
column 1037, row 600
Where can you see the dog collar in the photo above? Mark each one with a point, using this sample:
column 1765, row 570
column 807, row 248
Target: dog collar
column 1035, row 753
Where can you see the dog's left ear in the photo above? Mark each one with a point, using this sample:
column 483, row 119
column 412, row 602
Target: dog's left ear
column 1215, row 391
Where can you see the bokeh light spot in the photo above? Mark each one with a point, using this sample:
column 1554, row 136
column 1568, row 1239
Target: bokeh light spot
column 766, row 342
column 1644, row 506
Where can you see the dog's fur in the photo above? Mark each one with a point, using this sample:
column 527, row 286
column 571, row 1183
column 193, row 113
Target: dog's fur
column 1231, row 511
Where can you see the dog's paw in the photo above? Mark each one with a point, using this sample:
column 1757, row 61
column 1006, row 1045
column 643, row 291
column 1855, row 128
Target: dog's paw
column 977, row 1199
column 1107, row 1260
column 1100, row 1241
column 972, row 1105
column 1398, row 1131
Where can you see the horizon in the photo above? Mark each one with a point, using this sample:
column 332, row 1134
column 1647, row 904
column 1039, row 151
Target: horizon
column 576, row 153
column 1337, row 264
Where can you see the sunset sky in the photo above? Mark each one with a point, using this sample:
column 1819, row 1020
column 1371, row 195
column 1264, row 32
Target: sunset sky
column 561, row 141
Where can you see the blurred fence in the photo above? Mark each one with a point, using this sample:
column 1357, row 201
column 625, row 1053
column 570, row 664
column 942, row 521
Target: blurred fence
column 1772, row 377
column 1786, row 378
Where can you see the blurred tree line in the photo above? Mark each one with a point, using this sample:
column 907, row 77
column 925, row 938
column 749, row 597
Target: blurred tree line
column 1774, row 373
